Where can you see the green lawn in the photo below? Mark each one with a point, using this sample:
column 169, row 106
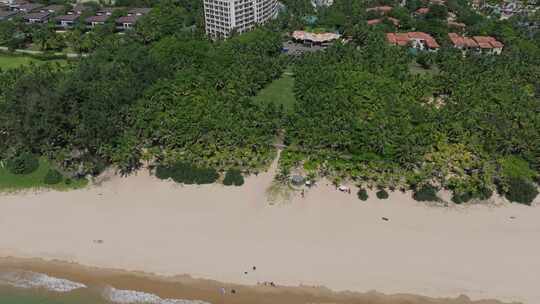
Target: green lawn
column 279, row 92
column 13, row 182
column 10, row 62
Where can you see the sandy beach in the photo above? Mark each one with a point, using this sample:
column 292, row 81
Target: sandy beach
column 328, row 238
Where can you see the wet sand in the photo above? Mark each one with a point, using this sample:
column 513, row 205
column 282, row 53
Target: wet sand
column 327, row 239
column 185, row 287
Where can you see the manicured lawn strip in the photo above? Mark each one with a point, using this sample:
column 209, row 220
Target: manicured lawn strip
column 279, row 92
column 11, row 62
column 35, row 180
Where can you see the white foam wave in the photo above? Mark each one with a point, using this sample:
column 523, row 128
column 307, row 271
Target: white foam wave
column 29, row 279
column 138, row 297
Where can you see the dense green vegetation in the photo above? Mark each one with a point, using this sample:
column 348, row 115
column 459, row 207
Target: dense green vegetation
column 362, row 115
column 188, row 174
column 357, row 111
column 233, row 177
column 382, row 194
column 22, row 163
column 53, row 177
column 154, row 93
column 427, row 193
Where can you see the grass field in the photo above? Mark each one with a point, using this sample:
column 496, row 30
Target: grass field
column 13, row 182
column 10, row 62
column 279, row 92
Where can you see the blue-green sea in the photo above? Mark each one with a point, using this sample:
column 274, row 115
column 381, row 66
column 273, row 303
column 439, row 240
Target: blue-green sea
column 10, row 295
column 28, row 287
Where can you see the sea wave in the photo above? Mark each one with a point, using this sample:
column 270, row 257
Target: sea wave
column 29, row 279
column 138, row 297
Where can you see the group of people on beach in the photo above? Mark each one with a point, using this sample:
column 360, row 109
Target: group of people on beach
column 223, row 290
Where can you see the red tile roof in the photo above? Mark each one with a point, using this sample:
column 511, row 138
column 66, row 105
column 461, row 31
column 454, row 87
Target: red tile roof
column 377, row 21
column 422, row 10
column 488, row 42
column 382, row 9
column 403, row 39
column 484, row 42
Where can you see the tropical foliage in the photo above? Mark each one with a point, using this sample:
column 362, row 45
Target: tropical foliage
column 362, row 115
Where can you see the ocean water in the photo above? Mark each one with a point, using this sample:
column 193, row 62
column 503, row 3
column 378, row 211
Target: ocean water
column 9, row 295
column 25, row 287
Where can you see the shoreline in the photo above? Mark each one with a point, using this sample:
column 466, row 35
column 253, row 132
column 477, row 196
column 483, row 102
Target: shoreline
column 329, row 238
column 187, row 288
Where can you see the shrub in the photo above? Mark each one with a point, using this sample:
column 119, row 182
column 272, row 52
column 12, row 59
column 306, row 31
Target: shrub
column 52, row 177
column 187, row 174
column 424, row 60
column 163, row 172
column 521, row 191
column 233, row 177
column 382, row 194
column 484, row 193
column 24, row 163
column 427, row 193
column 460, row 198
column 362, row 194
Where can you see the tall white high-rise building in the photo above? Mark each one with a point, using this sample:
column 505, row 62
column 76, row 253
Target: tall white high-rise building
column 224, row 16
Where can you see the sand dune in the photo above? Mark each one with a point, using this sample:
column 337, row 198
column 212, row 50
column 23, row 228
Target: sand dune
column 328, row 238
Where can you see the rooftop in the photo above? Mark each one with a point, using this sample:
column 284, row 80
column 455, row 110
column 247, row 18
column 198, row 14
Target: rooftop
column 379, row 20
column 315, row 37
column 53, row 8
column 38, row 15
column 97, row 18
column 28, row 7
column 382, row 9
column 403, row 39
column 6, row 14
column 456, row 24
column 422, row 10
column 71, row 17
column 128, row 19
column 139, row 11
column 106, row 10
column 484, row 42
column 80, row 8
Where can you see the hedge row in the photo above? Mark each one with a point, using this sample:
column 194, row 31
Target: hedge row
column 187, row 174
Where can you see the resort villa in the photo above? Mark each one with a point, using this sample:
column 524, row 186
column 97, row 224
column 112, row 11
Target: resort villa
column 66, row 21
column 380, row 9
column 478, row 44
column 127, row 22
column 416, row 40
